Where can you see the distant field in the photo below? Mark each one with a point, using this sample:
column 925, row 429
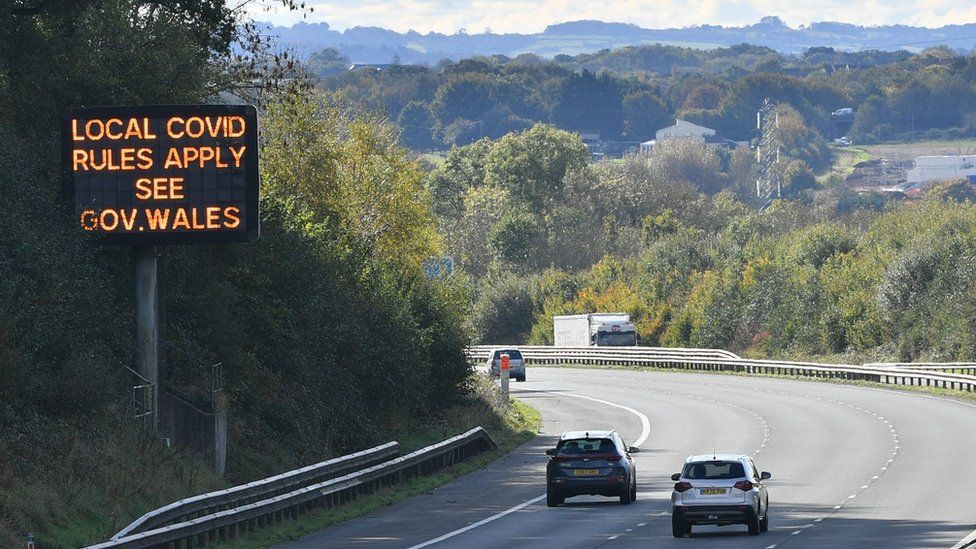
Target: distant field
column 897, row 160
column 908, row 151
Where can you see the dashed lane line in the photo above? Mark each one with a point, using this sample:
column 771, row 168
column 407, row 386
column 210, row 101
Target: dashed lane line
column 645, row 433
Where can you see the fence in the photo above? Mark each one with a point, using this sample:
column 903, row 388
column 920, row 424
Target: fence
column 246, row 514
column 192, row 407
column 481, row 352
column 925, row 375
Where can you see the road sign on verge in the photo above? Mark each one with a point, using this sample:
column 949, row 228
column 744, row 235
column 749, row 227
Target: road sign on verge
column 157, row 175
column 438, row 267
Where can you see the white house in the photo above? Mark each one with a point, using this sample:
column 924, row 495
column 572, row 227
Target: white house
column 683, row 129
column 937, row 168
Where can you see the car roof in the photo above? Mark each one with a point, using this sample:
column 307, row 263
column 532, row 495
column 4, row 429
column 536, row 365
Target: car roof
column 496, row 349
column 716, row 457
column 585, row 434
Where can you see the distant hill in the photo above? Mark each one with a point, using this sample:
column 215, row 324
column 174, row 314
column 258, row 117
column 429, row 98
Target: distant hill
column 377, row 45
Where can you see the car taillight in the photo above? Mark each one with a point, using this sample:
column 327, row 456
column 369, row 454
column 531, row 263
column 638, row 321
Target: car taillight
column 743, row 485
column 564, row 458
column 613, row 457
column 682, row 486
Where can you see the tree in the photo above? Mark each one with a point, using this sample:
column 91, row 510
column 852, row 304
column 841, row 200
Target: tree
column 531, row 165
column 703, row 96
column 417, row 126
column 349, row 173
column 483, row 207
column 503, row 311
column 644, row 113
column 466, row 96
column 689, row 161
column 588, row 102
column 327, row 62
column 513, row 237
column 798, row 140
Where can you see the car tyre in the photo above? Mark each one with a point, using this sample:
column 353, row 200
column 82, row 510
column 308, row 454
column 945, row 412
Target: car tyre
column 625, row 497
column 633, row 491
column 754, row 526
column 764, row 523
column 553, row 500
column 521, row 378
column 679, row 528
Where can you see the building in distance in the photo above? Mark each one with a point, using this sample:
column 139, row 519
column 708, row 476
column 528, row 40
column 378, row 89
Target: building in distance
column 682, row 129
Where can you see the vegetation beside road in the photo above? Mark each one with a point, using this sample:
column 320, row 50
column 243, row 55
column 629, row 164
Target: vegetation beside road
column 331, row 337
column 674, row 238
column 510, row 424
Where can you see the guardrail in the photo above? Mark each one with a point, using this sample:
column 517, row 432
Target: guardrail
column 229, row 523
column 481, row 352
column 965, row 368
column 902, row 374
column 205, row 504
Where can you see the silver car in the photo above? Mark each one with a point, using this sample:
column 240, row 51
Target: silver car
column 719, row 489
column 516, row 363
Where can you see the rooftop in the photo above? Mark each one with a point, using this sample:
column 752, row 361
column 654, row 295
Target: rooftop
column 585, row 434
column 715, row 457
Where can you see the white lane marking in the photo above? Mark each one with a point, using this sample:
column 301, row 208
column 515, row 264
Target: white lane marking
column 615, row 536
column 966, row 542
column 643, row 524
column 773, row 546
column 645, row 423
column 645, row 433
column 971, row 538
column 480, row 522
column 797, row 533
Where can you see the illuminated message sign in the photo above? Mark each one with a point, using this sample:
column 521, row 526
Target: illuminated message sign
column 163, row 175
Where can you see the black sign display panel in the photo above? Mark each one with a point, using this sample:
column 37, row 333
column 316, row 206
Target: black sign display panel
column 157, row 175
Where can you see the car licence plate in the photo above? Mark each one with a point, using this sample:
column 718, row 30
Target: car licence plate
column 713, row 491
column 586, row 472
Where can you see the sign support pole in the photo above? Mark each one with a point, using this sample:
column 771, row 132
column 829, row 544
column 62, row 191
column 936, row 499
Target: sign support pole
column 147, row 326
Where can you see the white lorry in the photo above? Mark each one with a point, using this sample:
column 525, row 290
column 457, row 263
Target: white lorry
column 594, row 329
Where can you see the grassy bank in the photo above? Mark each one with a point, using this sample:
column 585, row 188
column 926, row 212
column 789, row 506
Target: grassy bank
column 88, row 484
column 510, row 426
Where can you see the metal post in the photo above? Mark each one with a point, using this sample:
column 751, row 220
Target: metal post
column 503, row 373
column 147, row 325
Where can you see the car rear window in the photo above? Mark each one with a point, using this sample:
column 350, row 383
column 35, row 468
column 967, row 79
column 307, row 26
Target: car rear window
column 586, row 446
column 513, row 354
column 714, row 470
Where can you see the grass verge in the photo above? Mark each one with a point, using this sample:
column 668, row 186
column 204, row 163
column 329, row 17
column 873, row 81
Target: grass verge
column 518, row 425
column 934, row 391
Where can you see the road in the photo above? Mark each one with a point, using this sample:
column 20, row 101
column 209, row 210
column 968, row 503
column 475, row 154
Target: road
column 852, row 467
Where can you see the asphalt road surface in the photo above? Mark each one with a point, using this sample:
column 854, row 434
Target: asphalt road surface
column 852, row 467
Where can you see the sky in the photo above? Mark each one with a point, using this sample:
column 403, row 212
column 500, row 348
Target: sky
column 531, row 16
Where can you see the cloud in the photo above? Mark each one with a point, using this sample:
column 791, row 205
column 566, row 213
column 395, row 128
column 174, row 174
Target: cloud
column 530, row 16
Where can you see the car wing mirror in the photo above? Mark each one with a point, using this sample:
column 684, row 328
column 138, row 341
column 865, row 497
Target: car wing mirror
column 551, row 452
column 633, row 450
column 765, row 475
column 676, row 477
